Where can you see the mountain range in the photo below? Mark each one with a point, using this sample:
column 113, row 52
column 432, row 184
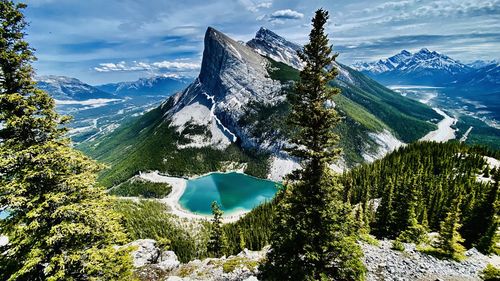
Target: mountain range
column 232, row 117
column 97, row 110
column 156, row 85
column 431, row 68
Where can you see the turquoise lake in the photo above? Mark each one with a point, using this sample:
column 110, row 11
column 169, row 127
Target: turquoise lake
column 233, row 192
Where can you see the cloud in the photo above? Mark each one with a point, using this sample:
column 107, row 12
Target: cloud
column 177, row 65
column 286, row 15
column 254, row 6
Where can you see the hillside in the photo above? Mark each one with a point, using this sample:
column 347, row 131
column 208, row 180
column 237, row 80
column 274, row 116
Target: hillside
column 232, row 116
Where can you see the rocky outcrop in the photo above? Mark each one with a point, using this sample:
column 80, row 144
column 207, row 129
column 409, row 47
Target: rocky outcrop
column 147, row 253
column 383, row 263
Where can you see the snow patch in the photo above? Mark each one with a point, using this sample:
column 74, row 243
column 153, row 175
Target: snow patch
column 386, row 141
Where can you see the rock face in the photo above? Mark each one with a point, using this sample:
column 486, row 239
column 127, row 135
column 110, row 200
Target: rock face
column 268, row 43
column 231, row 76
column 148, row 254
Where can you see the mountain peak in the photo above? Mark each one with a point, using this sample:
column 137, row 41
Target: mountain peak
column 270, row 44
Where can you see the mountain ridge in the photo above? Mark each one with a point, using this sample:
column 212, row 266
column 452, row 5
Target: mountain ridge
column 235, row 111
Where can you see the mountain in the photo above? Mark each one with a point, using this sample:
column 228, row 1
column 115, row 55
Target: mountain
column 67, row 88
column 276, row 47
column 421, row 68
column 157, row 85
column 233, row 117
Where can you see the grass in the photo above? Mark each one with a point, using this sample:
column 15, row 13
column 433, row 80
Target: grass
column 370, row 239
column 438, row 253
column 231, row 264
column 141, row 188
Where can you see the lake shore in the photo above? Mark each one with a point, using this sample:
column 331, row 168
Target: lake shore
column 178, row 188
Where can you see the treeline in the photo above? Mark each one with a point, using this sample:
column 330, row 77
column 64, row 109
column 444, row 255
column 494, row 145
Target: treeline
column 423, row 180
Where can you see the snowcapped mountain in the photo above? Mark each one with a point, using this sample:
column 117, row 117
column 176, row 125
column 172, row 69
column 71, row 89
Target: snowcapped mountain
column 156, row 85
column 432, row 69
column 270, row 44
column 67, row 88
column 233, row 116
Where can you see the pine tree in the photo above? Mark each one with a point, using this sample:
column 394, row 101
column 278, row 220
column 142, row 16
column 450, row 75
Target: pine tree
column 314, row 236
column 414, row 231
column 385, row 212
column 242, row 239
column 449, row 238
column 217, row 244
column 487, row 243
column 61, row 226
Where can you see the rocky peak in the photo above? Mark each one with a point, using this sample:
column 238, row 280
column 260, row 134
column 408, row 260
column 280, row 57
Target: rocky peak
column 270, row 44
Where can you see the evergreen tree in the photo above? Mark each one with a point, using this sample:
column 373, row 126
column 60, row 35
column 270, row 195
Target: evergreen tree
column 449, row 238
column 487, row 243
column 314, row 236
column 242, row 239
column 61, row 226
column 385, row 212
column 414, row 232
column 217, row 244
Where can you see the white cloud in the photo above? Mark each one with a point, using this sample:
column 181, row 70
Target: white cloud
column 287, row 14
column 255, row 6
column 176, row 65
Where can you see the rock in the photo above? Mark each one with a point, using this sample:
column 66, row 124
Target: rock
column 146, row 252
column 168, row 261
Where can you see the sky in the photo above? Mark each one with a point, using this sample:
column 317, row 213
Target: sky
column 103, row 41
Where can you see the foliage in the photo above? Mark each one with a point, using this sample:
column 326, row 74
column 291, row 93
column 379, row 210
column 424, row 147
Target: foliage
column 313, row 234
column 217, row 244
column 142, row 188
column 490, row 273
column 435, row 173
column 398, row 245
column 449, row 238
column 60, row 225
column 149, row 219
column 254, row 227
column 231, row 264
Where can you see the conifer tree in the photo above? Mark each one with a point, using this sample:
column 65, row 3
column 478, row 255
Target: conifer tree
column 217, row 244
column 314, row 236
column 449, row 238
column 242, row 239
column 487, row 243
column 61, row 226
column 414, row 231
column 385, row 212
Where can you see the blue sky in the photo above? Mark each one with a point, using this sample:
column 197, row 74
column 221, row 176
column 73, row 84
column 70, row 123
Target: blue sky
column 100, row 41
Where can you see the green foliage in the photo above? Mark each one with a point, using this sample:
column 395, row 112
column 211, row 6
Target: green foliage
column 231, row 264
column 398, row 245
column 435, row 173
column 313, row 236
column 254, row 227
column 481, row 133
column 282, row 71
column 149, row 219
column 217, row 244
column 142, row 188
column 449, row 238
column 60, row 225
column 490, row 273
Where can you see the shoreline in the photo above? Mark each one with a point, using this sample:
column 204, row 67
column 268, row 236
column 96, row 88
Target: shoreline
column 178, row 187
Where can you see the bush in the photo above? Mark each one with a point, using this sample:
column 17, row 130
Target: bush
column 398, row 245
column 490, row 273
